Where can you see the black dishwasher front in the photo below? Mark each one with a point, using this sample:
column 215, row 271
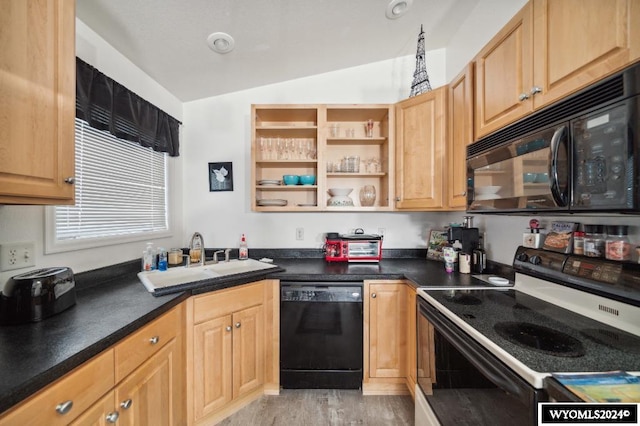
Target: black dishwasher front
column 321, row 335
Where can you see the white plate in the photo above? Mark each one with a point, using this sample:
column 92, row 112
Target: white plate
column 306, row 205
column 487, row 197
column 499, row 280
column 265, row 203
column 269, row 182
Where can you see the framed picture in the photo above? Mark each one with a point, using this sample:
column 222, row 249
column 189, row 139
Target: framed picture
column 437, row 241
column 221, row 176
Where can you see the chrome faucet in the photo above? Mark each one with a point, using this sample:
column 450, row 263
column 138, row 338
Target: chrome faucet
column 196, row 249
column 226, row 255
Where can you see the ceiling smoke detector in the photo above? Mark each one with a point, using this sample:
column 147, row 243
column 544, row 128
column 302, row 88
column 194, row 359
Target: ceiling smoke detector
column 397, row 8
column 220, row 42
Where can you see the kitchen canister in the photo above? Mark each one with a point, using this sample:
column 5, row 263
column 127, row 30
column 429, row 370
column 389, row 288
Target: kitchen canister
column 464, row 263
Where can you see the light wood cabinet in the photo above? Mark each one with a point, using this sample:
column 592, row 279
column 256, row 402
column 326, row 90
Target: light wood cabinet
column 420, row 151
column 313, row 140
column 227, row 350
column 549, row 50
column 154, row 393
column 504, row 75
column 412, row 372
column 37, row 87
column 151, row 393
column 460, row 134
column 385, row 337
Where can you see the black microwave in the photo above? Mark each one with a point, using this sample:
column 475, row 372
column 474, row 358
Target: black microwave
column 581, row 154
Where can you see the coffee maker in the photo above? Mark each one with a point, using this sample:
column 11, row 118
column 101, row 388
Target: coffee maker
column 469, row 240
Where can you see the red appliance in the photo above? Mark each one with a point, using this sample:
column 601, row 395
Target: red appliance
column 356, row 247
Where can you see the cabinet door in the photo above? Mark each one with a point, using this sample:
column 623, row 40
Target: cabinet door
column 37, row 88
column 387, row 330
column 248, row 350
column 460, row 123
column 102, row 413
column 153, row 394
column 420, row 150
column 504, row 75
column 576, row 42
column 212, row 365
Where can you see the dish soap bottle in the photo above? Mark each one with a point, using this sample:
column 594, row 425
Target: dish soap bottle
column 244, row 249
column 162, row 259
column 149, row 258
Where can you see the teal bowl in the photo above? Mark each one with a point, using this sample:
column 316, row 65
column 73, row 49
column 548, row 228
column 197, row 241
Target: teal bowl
column 291, row 179
column 307, row 179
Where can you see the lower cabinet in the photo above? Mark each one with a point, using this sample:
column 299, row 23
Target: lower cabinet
column 389, row 337
column 150, row 394
column 228, row 357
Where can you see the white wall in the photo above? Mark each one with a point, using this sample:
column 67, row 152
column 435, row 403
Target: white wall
column 26, row 223
column 219, row 129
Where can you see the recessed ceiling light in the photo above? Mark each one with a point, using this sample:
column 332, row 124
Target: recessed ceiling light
column 397, row 8
column 220, row 42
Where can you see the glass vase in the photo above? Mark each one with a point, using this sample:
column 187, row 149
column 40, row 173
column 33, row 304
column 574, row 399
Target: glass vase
column 367, row 196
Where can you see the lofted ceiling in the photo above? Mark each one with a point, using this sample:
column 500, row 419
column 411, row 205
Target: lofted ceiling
column 275, row 40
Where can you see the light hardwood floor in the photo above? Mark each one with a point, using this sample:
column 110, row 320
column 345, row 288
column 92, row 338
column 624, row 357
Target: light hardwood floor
column 311, row 407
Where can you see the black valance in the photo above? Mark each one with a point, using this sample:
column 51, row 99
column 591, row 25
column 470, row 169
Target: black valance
column 107, row 105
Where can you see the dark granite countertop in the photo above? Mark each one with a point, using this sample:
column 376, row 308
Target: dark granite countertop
column 112, row 303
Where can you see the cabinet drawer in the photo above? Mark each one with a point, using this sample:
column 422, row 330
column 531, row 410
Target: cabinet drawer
column 135, row 349
column 79, row 390
column 225, row 302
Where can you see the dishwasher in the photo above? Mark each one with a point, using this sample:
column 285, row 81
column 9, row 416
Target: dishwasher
column 321, row 335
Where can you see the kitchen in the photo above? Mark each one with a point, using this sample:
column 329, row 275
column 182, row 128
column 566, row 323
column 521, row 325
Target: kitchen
column 213, row 131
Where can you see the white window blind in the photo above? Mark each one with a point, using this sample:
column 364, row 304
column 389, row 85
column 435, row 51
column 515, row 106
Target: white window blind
column 121, row 189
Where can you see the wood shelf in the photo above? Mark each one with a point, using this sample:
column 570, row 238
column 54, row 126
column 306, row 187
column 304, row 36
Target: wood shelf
column 356, row 141
column 286, row 187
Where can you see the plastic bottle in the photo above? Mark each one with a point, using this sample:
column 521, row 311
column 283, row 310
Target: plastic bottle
column 578, row 242
column 149, row 258
column 162, row 259
column 244, row 249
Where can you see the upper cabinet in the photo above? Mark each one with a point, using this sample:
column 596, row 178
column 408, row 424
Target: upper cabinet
column 460, row 134
column 37, row 87
column 420, row 151
column 338, row 146
column 550, row 49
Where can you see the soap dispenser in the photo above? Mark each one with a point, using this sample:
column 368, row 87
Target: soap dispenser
column 244, row 249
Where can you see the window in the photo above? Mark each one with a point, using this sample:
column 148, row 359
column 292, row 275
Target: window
column 121, row 193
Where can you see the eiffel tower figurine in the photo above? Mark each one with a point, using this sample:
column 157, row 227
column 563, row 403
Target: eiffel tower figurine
column 420, row 82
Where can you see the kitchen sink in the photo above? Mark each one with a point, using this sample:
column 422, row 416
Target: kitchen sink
column 154, row 280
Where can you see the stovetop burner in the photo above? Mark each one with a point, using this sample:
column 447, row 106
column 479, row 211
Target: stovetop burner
column 541, row 339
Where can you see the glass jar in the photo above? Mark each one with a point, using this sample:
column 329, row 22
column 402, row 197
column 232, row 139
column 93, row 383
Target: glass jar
column 617, row 245
column 594, row 240
column 578, row 242
column 367, row 196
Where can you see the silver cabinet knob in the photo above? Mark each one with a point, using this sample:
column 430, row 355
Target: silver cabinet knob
column 536, row 89
column 373, row 295
column 154, row 340
column 126, row 404
column 64, row 407
column 397, row 198
column 238, row 325
column 228, row 328
column 112, row 417
column 523, row 97
column 70, row 180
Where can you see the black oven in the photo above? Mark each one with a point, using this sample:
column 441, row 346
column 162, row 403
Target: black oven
column 580, row 154
column 463, row 383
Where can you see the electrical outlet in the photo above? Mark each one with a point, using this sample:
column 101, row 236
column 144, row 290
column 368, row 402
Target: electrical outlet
column 17, row 256
column 381, row 231
column 299, row 234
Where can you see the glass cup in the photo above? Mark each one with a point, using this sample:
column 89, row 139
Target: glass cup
column 334, row 130
column 175, row 256
column 367, row 195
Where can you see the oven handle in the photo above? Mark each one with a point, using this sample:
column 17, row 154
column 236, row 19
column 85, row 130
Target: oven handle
column 498, row 373
column 559, row 196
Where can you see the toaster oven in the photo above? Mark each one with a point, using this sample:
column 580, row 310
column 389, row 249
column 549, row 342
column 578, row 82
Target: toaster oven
column 356, row 247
